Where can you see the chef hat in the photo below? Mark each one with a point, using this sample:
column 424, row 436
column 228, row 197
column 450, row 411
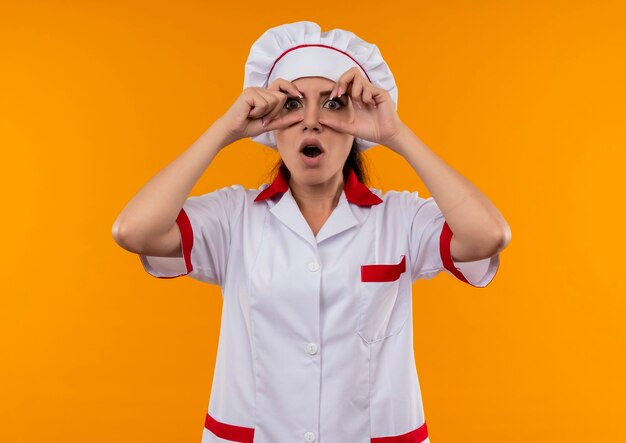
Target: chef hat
column 300, row 49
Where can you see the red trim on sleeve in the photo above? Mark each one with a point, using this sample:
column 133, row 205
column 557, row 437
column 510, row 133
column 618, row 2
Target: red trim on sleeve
column 186, row 236
column 229, row 432
column 379, row 273
column 446, row 255
column 416, row 436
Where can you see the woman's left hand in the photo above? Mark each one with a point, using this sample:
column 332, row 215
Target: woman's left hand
column 375, row 116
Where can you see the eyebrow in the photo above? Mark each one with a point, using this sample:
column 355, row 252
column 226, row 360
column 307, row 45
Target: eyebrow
column 322, row 94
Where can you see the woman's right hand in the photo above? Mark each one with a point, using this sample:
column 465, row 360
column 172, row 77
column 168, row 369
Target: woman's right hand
column 255, row 105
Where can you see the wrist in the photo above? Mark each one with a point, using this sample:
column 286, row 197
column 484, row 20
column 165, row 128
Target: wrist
column 398, row 140
column 221, row 132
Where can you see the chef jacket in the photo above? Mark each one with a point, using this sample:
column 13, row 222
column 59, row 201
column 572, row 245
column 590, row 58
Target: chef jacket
column 316, row 336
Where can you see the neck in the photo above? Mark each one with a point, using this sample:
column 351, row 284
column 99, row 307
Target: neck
column 321, row 197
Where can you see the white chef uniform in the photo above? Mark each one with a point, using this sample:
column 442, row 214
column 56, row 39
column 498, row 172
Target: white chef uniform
column 316, row 338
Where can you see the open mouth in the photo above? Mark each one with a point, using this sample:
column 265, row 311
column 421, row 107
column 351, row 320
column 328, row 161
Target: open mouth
column 311, row 151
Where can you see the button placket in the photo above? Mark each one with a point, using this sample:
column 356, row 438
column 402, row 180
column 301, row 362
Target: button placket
column 313, row 266
column 312, row 348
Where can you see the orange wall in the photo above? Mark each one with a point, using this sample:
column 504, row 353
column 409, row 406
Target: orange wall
column 525, row 99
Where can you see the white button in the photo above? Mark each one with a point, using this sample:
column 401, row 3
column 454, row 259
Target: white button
column 309, row 436
column 311, row 348
column 314, row 266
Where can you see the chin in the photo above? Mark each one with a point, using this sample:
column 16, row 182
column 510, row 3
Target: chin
column 310, row 174
column 313, row 176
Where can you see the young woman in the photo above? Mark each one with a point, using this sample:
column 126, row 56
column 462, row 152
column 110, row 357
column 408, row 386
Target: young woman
column 316, row 269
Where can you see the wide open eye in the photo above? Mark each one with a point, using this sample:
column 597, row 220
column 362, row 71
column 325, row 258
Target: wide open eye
column 288, row 101
column 338, row 105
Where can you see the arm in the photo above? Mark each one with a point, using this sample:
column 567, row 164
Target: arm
column 479, row 229
column 147, row 225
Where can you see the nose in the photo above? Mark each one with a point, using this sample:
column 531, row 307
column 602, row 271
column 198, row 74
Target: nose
column 311, row 119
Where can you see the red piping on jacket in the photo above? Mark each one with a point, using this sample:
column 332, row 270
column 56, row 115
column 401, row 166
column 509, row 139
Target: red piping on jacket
column 381, row 273
column 229, row 432
column 416, row 436
column 356, row 192
column 246, row 435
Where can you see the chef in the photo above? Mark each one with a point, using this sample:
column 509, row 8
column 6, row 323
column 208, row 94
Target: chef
column 315, row 268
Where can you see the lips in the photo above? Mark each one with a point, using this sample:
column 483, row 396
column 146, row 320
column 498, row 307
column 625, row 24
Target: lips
column 311, row 147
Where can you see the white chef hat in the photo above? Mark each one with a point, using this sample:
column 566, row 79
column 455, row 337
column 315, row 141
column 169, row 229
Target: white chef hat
column 300, row 49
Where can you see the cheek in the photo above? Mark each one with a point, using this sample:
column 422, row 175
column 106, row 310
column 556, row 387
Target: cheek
column 281, row 137
column 344, row 112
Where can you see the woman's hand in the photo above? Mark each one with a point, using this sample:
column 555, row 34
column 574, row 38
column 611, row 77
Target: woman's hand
column 375, row 116
column 256, row 106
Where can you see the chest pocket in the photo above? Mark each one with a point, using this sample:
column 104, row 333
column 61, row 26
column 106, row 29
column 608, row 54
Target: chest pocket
column 378, row 297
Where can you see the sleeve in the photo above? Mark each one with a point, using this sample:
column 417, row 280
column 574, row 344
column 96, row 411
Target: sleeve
column 429, row 247
column 205, row 223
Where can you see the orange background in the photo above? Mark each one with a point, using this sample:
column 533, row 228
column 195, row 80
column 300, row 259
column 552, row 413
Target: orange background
column 525, row 99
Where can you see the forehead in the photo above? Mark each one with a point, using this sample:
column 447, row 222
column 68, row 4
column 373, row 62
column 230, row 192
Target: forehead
column 313, row 82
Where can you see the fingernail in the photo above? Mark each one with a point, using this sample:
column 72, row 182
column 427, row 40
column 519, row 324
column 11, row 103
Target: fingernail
column 332, row 94
column 340, row 92
column 264, row 122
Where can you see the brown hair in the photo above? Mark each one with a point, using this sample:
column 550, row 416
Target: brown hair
column 355, row 161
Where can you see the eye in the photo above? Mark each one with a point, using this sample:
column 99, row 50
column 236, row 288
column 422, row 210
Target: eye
column 338, row 103
column 289, row 100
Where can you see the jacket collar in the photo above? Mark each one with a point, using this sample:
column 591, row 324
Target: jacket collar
column 356, row 192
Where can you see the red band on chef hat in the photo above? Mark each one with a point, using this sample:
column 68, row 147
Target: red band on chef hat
column 313, row 61
column 300, row 49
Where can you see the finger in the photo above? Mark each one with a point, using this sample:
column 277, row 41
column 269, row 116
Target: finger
column 347, row 78
column 357, row 90
column 351, row 103
column 335, row 91
column 337, row 125
column 378, row 96
column 275, row 102
column 270, row 117
column 279, row 107
column 258, row 104
column 367, row 97
column 283, row 85
column 342, row 85
column 355, row 104
column 355, row 97
column 284, row 121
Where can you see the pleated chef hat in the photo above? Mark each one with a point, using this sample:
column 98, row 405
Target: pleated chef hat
column 300, row 49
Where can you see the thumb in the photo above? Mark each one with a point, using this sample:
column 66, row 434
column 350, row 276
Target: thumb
column 284, row 122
